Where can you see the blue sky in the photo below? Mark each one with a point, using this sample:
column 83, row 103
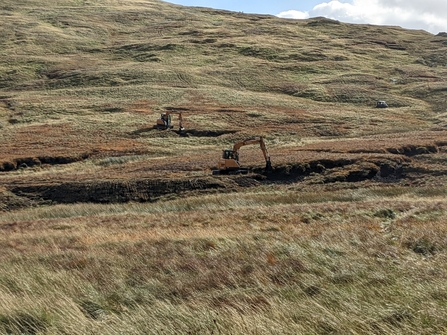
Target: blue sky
column 429, row 15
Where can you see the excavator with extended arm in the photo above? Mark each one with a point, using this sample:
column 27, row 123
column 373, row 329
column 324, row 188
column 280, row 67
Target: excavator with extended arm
column 164, row 122
column 229, row 163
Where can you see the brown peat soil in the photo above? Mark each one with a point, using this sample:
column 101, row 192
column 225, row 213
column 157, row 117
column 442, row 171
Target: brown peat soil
column 110, row 226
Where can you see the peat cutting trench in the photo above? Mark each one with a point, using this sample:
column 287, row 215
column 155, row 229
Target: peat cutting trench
column 385, row 169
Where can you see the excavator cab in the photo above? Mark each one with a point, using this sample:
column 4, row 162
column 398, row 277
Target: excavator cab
column 166, row 118
column 230, row 154
column 229, row 164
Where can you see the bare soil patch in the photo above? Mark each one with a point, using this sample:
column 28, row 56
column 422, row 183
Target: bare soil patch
column 414, row 158
column 345, row 170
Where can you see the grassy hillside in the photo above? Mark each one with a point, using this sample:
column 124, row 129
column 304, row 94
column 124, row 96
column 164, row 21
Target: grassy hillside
column 110, row 226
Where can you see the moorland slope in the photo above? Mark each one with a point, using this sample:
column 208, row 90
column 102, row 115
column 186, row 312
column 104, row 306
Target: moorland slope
column 112, row 226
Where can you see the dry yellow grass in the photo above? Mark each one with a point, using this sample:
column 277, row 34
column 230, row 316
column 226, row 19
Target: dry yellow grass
column 111, row 227
column 258, row 263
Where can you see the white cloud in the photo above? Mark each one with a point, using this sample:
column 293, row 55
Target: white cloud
column 294, row 14
column 429, row 15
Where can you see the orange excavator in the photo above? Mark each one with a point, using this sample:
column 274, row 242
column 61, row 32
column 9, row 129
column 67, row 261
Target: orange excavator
column 229, row 163
column 164, row 122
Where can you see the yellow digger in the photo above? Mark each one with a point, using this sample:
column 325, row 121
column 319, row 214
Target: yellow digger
column 164, row 122
column 229, row 163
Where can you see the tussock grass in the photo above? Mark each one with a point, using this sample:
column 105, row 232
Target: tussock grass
column 90, row 79
column 198, row 265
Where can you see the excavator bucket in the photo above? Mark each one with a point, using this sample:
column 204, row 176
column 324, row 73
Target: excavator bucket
column 268, row 166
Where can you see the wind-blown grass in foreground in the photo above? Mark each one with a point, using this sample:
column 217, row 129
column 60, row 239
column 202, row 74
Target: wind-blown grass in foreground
column 251, row 263
column 271, row 260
